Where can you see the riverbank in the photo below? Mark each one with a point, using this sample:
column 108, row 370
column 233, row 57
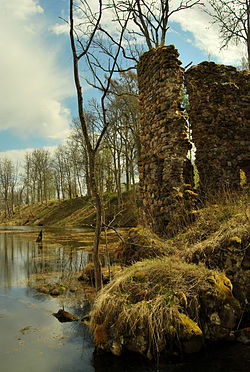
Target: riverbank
column 77, row 212
column 189, row 290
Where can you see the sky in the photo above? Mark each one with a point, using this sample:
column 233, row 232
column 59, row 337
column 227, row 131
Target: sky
column 37, row 95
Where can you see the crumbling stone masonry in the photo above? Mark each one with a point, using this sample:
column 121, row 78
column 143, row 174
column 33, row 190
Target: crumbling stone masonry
column 164, row 143
column 219, row 115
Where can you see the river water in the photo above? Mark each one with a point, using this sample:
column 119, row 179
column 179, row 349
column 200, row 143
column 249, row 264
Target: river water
column 32, row 339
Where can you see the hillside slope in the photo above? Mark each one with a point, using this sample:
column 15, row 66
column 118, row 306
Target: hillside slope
column 76, row 212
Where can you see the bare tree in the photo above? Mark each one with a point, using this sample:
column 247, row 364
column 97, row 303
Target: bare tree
column 40, row 159
column 57, row 172
column 233, row 19
column 93, row 118
column 123, row 136
column 8, row 179
column 81, row 47
column 151, row 18
column 27, row 177
column 125, row 92
column 37, row 176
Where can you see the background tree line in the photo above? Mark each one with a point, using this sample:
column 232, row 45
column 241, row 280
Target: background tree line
column 44, row 175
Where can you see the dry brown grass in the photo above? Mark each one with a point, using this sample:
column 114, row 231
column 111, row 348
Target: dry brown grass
column 138, row 244
column 157, row 299
column 230, row 213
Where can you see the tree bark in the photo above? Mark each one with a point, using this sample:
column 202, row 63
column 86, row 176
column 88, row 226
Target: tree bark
column 91, row 154
column 98, row 226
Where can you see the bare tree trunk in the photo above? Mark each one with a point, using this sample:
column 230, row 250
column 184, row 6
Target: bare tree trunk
column 12, row 199
column 91, row 153
column 248, row 36
column 127, row 170
column 119, row 187
column 5, row 204
column 92, row 148
column 117, row 180
column 79, row 183
column 87, row 178
column 98, row 226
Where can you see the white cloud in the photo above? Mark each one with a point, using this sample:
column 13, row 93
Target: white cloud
column 60, row 28
column 33, row 85
column 20, row 9
column 206, row 36
column 18, row 156
column 92, row 11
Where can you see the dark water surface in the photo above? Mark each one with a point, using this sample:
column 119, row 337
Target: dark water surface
column 31, row 339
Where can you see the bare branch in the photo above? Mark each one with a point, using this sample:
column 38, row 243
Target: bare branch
column 109, row 83
column 233, row 19
column 93, row 32
column 151, row 17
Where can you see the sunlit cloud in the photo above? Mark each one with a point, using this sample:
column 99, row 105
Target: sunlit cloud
column 33, row 85
column 206, row 35
column 60, row 28
column 18, row 156
column 107, row 20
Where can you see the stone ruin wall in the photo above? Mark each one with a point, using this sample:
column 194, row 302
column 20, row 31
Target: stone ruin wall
column 219, row 115
column 163, row 134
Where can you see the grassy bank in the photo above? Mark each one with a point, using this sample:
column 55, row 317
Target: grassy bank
column 171, row 295
column 75, row 212
column 190, row 289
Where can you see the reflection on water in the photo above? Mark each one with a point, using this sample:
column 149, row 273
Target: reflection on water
column 33, row 340
column 20, row 258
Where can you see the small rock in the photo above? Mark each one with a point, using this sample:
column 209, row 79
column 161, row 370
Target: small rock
column 116, row 348
column 65, row 316
column 243, row 335
column 194, row 344
column 55, row 292
column 44, row 290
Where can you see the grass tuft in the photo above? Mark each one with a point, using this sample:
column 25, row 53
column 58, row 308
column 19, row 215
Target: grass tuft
column 155, row 304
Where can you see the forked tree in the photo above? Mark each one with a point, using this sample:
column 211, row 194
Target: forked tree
column 85, row 37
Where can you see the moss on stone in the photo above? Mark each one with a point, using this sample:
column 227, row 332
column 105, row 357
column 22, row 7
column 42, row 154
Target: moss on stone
column 235, row 240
